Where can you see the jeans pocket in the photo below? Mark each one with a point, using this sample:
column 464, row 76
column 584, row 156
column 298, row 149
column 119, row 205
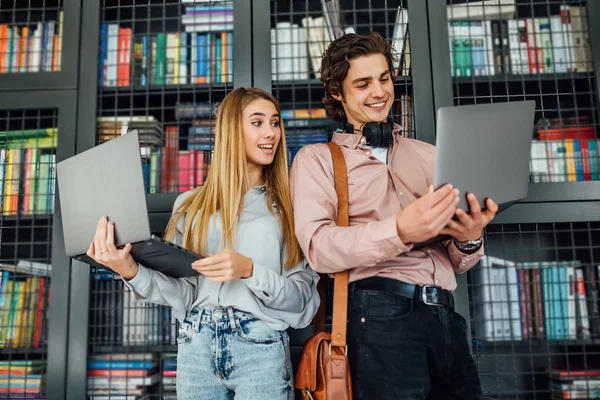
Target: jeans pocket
column 185, row 332
column 387, row 307
column 256, row 331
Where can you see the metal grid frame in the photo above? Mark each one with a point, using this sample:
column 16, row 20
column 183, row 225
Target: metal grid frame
column 29, row 13
column 552, row 224
column 53, row 248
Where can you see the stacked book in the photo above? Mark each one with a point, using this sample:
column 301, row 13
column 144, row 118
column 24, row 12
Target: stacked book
column 120, row 374
column 169, row 376
column 575, row 383
column 22, row 379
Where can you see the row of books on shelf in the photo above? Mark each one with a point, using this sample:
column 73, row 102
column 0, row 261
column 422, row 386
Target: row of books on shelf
column 567, row 160
column 555, row 44
column 165, row 58
column 575, row 382
column 28, row 178
column 31, row 48
column 22, row 379
column 294, row 45
column 130, row 376
column 24, row 293
column 117, row 317
column 535, row 300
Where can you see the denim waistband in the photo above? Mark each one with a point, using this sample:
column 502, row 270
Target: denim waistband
column 218, row 315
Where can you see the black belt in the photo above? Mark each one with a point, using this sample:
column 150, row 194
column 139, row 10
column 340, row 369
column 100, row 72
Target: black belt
column 427, row 294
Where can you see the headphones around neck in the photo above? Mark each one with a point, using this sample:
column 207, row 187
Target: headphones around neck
column 377, row 134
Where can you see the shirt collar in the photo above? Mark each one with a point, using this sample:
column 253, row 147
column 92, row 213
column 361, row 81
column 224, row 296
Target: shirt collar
column 353, row 141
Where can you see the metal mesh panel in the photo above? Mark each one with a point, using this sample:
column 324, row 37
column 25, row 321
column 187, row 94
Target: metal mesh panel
column 30, row 36
column 534, row 50
column 301, row 31
column 27, row 179
column 534, row 311
column 534, row 301
column 164, row 66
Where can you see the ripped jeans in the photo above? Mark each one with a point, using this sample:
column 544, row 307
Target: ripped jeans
column 224, row 353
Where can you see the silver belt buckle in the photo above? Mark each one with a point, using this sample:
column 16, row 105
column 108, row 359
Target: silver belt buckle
column 425, row 298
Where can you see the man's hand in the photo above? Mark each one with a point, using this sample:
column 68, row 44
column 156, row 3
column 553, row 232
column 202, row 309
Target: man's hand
column 470, row 226
column 428, row 216
column 226, row 265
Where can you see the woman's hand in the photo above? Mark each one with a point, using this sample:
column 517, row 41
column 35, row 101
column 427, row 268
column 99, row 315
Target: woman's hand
column 104, row 252
column 226, row 265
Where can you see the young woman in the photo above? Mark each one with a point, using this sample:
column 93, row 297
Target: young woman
column 254, row 282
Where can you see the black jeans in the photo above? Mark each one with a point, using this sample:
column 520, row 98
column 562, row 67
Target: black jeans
column 403, row 349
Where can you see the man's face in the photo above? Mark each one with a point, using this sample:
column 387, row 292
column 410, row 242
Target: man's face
column 368, row 90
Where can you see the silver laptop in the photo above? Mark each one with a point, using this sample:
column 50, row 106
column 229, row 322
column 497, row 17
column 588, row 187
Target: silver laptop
column 485, row 149
column 108, row 180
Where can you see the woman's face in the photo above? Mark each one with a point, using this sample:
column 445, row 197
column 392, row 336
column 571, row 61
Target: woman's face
column 260, row 125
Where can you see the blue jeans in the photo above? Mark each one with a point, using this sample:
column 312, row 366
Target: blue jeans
column 225, row 353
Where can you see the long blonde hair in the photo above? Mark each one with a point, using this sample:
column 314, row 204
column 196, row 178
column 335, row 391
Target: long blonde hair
column 227, row 182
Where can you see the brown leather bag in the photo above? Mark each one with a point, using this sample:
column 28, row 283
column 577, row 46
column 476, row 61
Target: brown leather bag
column 324, row 372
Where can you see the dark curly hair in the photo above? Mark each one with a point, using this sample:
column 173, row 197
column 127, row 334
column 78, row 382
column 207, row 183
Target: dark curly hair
column 336, row 62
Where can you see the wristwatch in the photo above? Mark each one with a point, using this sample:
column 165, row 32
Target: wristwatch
column 469, row 245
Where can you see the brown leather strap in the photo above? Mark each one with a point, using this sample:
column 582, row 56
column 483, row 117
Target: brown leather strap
column 340, row 291
column 318, row 321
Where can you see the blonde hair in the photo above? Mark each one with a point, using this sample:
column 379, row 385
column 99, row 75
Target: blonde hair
column 227, row 182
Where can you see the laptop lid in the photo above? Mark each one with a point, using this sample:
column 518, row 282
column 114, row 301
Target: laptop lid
column 104, row 180
column 485, row 149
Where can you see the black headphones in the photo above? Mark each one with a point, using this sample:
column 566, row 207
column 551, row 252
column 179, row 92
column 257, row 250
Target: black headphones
column 377, row 134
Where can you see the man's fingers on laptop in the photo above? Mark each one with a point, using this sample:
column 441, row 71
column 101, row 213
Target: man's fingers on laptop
column 474, row 208
column 490, row 212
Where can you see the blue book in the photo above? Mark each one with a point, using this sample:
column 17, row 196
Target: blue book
column 103, row 50
column 144, row 77
column 578, row 160
column 593, row 155
column 121, row 365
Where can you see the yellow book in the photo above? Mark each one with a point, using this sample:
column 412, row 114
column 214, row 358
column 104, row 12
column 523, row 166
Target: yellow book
column 23, row 50
column 7, row 180
column 177, row 42
column 5, row 313
column 20, row 326
column 570, row 156
column 224, row 57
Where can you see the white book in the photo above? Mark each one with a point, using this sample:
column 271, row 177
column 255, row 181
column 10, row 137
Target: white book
column 112, row 47
column 489, row 48
column 302, row 53
column 514, row 308
column 274, row 55
column 284, row 51
column 514, row 45
column 400, row 34
column 559, row 49
column 36, row 54
column 480, row 10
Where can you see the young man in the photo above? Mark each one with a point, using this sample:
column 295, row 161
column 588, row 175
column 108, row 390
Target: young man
column 404, row 339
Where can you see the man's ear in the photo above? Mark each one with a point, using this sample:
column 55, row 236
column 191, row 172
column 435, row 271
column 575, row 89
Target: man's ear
column 336, row 96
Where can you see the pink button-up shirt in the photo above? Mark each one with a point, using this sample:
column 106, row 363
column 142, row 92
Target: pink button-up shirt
column 370, row 246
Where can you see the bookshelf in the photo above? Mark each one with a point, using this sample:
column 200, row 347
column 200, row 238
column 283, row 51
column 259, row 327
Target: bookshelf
column 554, row 229
column 557, row 222
column 47, row 58
column 34, row 294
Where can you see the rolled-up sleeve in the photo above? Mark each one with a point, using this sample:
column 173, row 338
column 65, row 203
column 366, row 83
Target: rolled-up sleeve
column 330, row 248
column 462, row 262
